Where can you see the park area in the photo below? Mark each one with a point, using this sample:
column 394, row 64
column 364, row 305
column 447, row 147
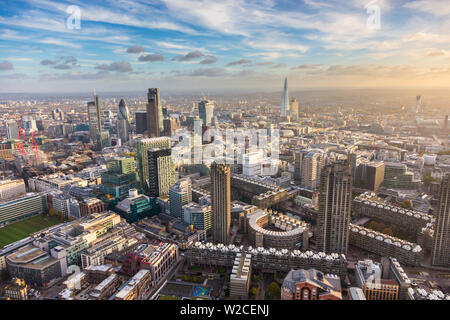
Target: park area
column 24, row 228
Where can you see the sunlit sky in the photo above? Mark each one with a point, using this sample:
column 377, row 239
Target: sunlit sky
column 223, row 44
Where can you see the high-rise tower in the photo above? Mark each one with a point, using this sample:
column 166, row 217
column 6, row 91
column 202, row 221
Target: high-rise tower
column 335, row 201
column 285, row 102
column 221, row 200
column 154, row 113
column 440, row 251
column 206, row 111
column 94, row 119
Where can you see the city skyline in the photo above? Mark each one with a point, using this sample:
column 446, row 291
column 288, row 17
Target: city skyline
column 222, row 45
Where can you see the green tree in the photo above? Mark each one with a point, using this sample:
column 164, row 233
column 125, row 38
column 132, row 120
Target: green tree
column 407, row 204
column 274, row 290
column 51, row 212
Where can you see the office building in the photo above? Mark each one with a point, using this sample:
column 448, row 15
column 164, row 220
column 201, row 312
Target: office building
column 335, row 200
column 142, row 147
column 120, row 177
column 94, row 120
column 206, row 111
column 161, row 171
column 90, row 206
column 180, row 194
column 311, row 285
column 294, row 109
column 440, row 252
column 141, row 122
column 221, row 201
column 285, row 102
column 28, row 205
column 10, row 189
column 136, row 206
column 197, row 215
column 369, row 175
column 154, row 113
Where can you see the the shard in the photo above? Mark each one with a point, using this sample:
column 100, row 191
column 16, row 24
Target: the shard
column 285, row 103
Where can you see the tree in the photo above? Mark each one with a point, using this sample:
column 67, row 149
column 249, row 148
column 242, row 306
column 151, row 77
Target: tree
column 4, row 275
column 51, row 212
column 407, row 204
column 60, row 215
column 274, row 290
column 254, row 291
column 388, row 231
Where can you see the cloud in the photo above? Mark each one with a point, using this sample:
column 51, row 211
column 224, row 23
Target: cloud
column 6, row 66
column 121, row 66
column 209, row 60
column 135, row 49
column 264, row 63
column 188, row 57
column 433, row 7
column 61, row 63
column 279, row 66
column 15, row 76
column 239, row 62
column 151, row 57
column 59, row 42
column 307, row 66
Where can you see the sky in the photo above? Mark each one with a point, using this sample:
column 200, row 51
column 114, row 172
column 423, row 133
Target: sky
column 222, row 45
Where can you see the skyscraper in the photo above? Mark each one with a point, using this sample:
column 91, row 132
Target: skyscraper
column 285, row 102
column 154, row 113
column 335, row 201
column 142, row 147
column 294, row 109
column 180, row 194
column 220, row 199
column 440, row 252
column 161, row 171
column 94, row 119
column 141, row 121
column 123, row 122
column 206, row 111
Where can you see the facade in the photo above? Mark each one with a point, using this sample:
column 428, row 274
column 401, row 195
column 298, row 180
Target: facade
column 161, row 171
column 294, row 109
column 90, row 206
column 397, row 176
column 158, row 259
column 10, row 189
column 154, row 113
column 269, row 260
column 410, row 221
column 335, row 201
column 35, row 266
column 138, row 288
column 369, row 175
column 206, row 111
column 440, row 252
column 180, row 194
column 142, row 147
column 385, row 246
column 26, row 206
column 311, row 285
column 221, row 201
column 241, row 276
column 270, row 229
column 12, row 129
column 16, row 290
